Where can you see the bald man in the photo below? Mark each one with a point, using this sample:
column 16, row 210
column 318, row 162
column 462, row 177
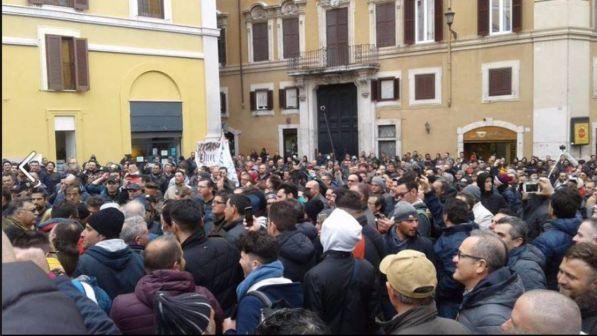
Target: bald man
column 543, row 311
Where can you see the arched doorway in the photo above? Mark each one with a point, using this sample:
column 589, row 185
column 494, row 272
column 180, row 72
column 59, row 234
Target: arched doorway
column 490, row 140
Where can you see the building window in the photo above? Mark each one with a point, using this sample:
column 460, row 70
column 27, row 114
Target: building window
column 151, row 8
column 385, row 16
column 424, row 86
column 222, row 47
column 424, row 20
column 290, row 30
column 261, row 100
column 501, row 16
column 260, row 42
column 223, row 109
column 385, row 89
column 76, row 4
column 289, row 98
column 67, row 63
column 500, row 82
column 386, row 140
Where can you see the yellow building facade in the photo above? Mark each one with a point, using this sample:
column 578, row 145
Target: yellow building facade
column 390, row 76
column 108, row 78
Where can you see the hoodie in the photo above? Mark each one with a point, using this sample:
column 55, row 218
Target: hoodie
column 492, row 200
column 115, row 266
column 297, row 254
column 340, row 232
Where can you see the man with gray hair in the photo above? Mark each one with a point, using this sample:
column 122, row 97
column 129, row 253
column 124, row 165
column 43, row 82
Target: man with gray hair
column 133, row 208
column 483, row 216
column 135, row 233
column 587, row 232
column 543, row 311
column 490, row 287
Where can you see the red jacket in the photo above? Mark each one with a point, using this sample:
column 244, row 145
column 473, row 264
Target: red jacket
column 133, row 313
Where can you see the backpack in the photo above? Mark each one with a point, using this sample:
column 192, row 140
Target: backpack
column 269, row 307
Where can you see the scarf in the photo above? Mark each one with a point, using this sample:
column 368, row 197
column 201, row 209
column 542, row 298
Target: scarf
column 271, row 270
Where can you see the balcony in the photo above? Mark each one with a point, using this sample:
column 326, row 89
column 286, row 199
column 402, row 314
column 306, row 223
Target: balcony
column 334, row 60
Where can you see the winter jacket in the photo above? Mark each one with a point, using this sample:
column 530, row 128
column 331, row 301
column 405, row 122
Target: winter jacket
column 213, row 262
column 437, row 211
column 31, row 303
column 374, row 244
column 115, row 266
column 449, row 291
column 120, row 197
column 417, row 243
column 48, row 225
column 13, row 228
column 487, row 306
column 493, row 201
column 535, row 214
column 514, row 200
column 423, row 320
column 347, row 306
column 308, row 229
column 95, row 319
column 528, row 262
column 296, row 253
column 133, row 312
column 554, row 243
column 233, row 231
column 589, row 319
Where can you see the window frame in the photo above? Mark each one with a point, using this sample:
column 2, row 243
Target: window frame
column 426, row 19
column 257, row 92
column 501, row 17
column 396, row 138
column 224, row 90
column 515, row 85
column 380, row 91
column 223, row 39
column 134, row 12
column 41, row 35
column 292, row 88
column 438, row 86
column 281, row 36
column 250, row 41
column 374, row 23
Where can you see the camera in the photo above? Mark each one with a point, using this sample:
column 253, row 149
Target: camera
column 531, row 187
column 562, row 148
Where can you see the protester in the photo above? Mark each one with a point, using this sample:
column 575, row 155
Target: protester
column 587, row 232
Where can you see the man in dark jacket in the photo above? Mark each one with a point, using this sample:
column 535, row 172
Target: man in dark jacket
column 557, row 238
column 20, row 219
column 264, row 281
column 297, row 253
column 212, row 261
column 490, row 198
column 577, row 279
column 524, row 259
column 458, row 228
column 342, row 289
column 234, row 214
column 411, row 284
column 133, row 313
column 107, row 257
column 490, row 287
column 404, row 235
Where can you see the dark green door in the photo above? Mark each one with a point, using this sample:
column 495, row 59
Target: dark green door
column 339, row 104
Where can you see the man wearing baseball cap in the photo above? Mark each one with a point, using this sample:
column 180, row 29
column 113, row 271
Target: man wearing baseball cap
column 411, row 286
column 107, row 257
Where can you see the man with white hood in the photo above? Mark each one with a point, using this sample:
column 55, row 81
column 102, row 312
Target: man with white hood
column 342, row 289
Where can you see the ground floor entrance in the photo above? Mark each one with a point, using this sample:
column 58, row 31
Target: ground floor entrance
column 337, row 120
column 484, row 142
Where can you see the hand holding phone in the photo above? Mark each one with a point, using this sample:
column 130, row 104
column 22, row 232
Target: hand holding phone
column 249, row 216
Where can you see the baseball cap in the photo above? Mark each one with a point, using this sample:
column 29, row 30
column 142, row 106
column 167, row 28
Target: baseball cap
column 410, row 273
column 112, row 180
column 133, row 186
column 404, row 211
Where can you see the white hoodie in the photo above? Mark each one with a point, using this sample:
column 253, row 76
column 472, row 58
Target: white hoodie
column 340, row 232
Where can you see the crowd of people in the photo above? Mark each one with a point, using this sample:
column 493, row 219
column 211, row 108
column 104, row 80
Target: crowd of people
column 376, row 245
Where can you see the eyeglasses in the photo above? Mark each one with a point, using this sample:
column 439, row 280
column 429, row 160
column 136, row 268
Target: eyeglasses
column 219, row 202
column 462, row 255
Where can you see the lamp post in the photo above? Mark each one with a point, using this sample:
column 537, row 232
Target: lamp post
column 449, row 21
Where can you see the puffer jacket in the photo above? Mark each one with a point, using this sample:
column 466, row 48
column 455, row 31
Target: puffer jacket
column 514, row 200
column 374, row 244
column 485, row 308
column 449, row 291
column 528, row 262
column 554, row 243
column 213, row 262
column 423, row 320
column 297, row 254
column 133, row 312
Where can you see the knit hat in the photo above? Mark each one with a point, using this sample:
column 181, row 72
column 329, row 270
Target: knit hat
column 340, row 232
column 404, row 211
column 410, row 273
column 378, row 180
column 187, row 313
column 107, row 222
column 473, row 191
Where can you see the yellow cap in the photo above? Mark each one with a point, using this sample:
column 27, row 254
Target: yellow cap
column 410, row 273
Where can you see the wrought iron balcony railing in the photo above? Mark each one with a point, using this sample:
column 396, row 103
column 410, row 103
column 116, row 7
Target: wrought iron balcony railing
column 341, row 58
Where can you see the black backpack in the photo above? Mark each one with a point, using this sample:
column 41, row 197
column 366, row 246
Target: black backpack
column 269, row 307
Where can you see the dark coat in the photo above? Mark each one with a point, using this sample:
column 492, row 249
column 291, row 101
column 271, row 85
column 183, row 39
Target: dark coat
column 30, row 301
column 375, row 249
column 297, row 254
column 213, row 262
column 423, row 320
column 249, row 306
column 589, row 320
column 133, row 312
column 513, row 199
column 528, row 262
column 96, row 320
column 535, row 214
column 347, row 307
column 232, row 231
column 417, row 243
column 116, row 272
column 485, row 308
column 554, row 243
column 493, row 201
column 449, row 291
column 308, row 229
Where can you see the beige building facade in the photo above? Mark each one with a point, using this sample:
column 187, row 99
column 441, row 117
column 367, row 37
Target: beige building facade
column 506, row 77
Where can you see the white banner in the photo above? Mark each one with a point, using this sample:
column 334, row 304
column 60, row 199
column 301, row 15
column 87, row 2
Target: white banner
column 216, row 153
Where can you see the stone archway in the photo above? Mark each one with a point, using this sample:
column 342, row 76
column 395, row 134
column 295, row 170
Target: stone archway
column 485, row 126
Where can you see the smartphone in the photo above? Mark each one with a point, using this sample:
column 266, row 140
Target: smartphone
column 249, row 216
column 530, row 187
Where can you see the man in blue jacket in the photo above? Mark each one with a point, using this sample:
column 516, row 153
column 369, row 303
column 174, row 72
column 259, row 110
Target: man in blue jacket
column 264, row 276
column 107, row 257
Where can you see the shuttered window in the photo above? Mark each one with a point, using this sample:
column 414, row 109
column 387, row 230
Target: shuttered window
column 289, row 98
column 424, row 20
column 222, row 46
column 500, row 82
column 499, row 16
column 67, row 63
column 409, row 21
column 151, row 8
column 76, row 4
column 262, row 99
column 424, row 86
column 290, row 29
column 260, row 42
column 385, row 16
column 223, row 110
column 385, row 89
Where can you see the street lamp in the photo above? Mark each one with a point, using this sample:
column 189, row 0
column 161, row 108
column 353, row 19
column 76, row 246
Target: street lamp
column 449, row 20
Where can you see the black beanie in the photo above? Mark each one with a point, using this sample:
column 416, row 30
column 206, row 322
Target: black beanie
column 107, row 222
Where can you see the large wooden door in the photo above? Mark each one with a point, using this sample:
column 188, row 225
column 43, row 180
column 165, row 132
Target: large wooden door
column 339, row 104
column 337, row 36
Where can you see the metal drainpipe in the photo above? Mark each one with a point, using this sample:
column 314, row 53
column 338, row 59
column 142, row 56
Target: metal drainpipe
column 240, row 58
column 450, row 62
